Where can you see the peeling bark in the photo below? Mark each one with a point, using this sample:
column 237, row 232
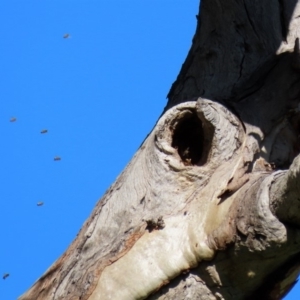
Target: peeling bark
column 208, row 208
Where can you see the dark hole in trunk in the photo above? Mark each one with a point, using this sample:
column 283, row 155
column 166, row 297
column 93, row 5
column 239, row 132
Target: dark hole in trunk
column 188, row 138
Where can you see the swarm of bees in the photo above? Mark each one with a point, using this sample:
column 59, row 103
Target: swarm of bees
column 43, row 131
column 56, row 158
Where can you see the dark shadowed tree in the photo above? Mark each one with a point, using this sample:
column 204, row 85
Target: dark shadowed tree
column 209, row 206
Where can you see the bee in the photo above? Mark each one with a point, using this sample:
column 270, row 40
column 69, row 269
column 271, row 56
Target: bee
column 13, row 119
column 5, row 275
column 40, row 203
column 56, row 158
column 66, row 36
column 44, row 131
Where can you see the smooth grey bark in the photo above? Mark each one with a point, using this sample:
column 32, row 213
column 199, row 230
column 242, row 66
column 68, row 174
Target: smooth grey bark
column 208, row 206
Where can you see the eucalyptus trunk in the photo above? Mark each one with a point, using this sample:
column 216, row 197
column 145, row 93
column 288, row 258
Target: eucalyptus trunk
column 209, row 206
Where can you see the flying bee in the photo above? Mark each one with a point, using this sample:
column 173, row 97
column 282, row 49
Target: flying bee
column 40, row 203
column 44, row 131
column 13, row 119
column 66, row 36
column 5, row 275
column 57, row 158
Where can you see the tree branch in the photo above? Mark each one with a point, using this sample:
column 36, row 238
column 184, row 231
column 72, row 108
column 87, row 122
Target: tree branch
column 285, row 194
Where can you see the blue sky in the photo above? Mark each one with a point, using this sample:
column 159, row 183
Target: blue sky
column 98, row 93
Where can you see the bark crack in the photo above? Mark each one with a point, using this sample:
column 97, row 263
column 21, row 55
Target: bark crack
column 241, row 64
column 259, row 83
column 250, row 21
